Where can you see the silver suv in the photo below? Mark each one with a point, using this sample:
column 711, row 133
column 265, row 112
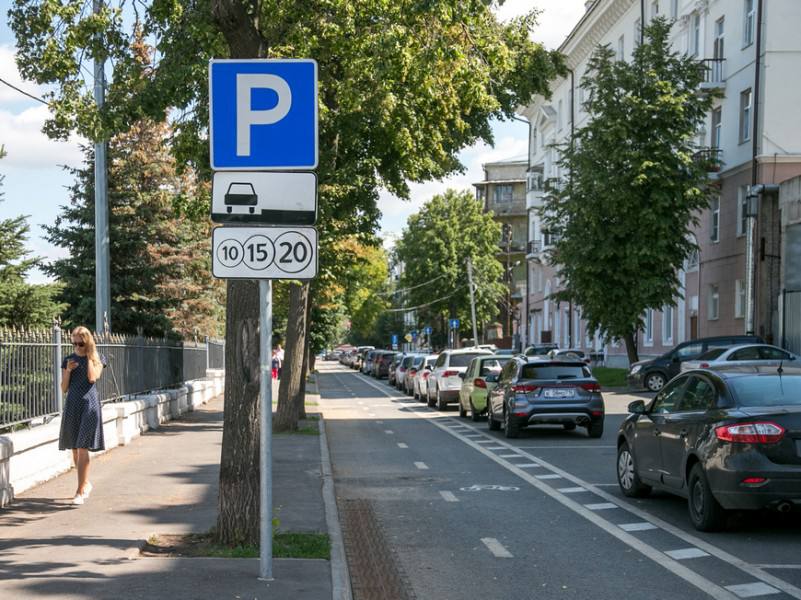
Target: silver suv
column 445, row 380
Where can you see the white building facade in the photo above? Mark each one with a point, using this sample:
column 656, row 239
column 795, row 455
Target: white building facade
column 752, row 53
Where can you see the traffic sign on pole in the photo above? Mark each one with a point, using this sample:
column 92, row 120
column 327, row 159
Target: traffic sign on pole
column 454, row 323
column 251, row 197
column 264, row 252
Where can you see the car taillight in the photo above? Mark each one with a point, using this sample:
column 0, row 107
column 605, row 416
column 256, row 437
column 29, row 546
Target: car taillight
column 450, row 373
column 524, row 389
column 412, row 371
column 703, row 366
column 480, row 383
column 426, row 374
column 751, row 433
column 591, row 387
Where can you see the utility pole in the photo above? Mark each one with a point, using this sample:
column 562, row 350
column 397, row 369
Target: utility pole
column 472, row 300
column 102, row 268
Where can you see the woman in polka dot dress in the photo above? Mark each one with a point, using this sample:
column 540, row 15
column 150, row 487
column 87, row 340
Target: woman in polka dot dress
column 82, row 422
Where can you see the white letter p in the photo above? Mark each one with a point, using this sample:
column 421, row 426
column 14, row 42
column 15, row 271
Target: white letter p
column 245, row 116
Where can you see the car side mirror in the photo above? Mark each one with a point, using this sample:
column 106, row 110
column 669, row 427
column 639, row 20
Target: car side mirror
column 637, row 407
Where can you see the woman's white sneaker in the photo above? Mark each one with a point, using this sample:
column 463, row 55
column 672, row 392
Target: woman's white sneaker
column 78, row 499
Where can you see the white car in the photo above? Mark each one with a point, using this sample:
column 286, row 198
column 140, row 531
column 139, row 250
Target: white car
column 445, row 380
column 761, row 355
column 420, row 380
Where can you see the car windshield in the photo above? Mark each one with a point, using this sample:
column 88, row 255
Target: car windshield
column 492, row 366
column 462, row 360
column 712, row 354
column 767, row 390
column 538, row 351
column 430, row 361
column 554, row 372
column 407, row 361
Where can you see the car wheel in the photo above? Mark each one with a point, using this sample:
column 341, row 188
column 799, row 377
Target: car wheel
column 596, row 429
column 462, row 411
column 491, row 422
column 654, row 382
column 510, row 429
column 706, row 513
column 441, row 404
column 627, row 478
column 430, row 401
column 415, row 395
column 474, row 414
column 569, row 426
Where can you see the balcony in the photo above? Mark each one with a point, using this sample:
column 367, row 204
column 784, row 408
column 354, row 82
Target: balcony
column 534, row 249
column 714, row 70
column 711, row 158
column 516, row 207
column 516, row 247
column 535, row 182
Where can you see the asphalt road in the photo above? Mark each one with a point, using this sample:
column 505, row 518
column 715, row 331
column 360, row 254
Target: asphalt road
column 468, row 514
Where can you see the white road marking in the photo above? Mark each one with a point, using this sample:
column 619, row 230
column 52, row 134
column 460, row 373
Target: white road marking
column 529, row 465
column 389, row 431
column 402, row 445
column 796, row 567
column 644, row 526
column 448, row 497
column 421, row 465
column 511, row 456
column 496, row 448
column 584, row 447
column 572, row 490
column 707, row 586
column 601, row 506
column 685, row 553
column 485, row 442
column 549, row 476
column 496, row 548
column 752, row 590
column 380, row 422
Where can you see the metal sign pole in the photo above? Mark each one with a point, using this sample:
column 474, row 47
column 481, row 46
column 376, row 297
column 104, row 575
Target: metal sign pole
column 266, row 428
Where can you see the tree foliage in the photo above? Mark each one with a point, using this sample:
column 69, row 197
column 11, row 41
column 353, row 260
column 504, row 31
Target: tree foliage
column 160, row 256
column 635, row 185
column 22, row 304
column 433, row 251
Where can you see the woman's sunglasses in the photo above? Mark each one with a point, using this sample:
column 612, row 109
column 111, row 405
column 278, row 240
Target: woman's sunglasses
column 79, row 344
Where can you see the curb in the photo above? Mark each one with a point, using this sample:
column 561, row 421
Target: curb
column 340, row 577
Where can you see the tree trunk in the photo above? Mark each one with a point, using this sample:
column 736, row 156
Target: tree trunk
column 631, row 347
column 238, row 518
column 306, row 357
column 290, row 400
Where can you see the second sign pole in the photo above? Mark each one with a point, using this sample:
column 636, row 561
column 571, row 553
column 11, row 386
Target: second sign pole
column 266, row 428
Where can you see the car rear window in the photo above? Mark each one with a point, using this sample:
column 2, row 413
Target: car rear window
column 407, row 361
column 712, row 354
column 492, row 366
column 462, row 360
column 554, row 372
column 767, row 390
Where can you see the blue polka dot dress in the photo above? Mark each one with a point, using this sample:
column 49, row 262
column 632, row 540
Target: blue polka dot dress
column 82, row 421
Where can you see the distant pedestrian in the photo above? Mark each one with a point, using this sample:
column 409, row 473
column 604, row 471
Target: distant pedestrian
column 275, row 363
column 280, row 361
column 82, row 421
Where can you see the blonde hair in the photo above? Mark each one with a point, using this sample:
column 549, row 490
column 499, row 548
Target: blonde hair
column 89, row 343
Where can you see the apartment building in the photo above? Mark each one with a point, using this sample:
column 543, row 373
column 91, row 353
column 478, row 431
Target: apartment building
column 503, row 192
column 751, row 53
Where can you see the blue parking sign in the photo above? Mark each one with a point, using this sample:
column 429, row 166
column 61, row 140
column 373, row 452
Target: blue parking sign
column 263, row 114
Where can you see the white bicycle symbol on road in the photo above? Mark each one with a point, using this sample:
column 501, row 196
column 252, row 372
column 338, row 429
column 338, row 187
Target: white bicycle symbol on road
column 498, row 488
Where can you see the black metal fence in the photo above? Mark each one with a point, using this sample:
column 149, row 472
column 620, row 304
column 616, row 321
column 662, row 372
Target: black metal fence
column 30, row 373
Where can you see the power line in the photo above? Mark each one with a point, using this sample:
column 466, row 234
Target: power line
column 414, row 287
column 23, row 92
column 411, row 308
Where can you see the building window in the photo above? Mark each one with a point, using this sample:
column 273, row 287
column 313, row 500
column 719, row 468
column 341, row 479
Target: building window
column 637, row 32
column 674, row 9
column 720, row 29
column 714, row 233
column 713, row 304
column 739, row 299
column 692, row 260
column 621, row 48
column 667, row 325
column 748, row 24
column 695, row 35
column 648, row 332
column 745, row 115
column 717, row 124
column 503, row 194
column 742, row 209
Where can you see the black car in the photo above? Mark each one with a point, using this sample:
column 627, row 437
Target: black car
column 534, row 391
column 540, row 349
column 724, row 439
column 393, row 366
column 654, row 374
column 381, row 363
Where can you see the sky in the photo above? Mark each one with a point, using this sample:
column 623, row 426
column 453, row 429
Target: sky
column 36, row 181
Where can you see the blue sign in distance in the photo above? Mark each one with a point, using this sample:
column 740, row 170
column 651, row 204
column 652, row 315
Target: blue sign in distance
column 414, row 335
column 429, row 330
column 394, row 339
column 454, row 323
column 263, row 114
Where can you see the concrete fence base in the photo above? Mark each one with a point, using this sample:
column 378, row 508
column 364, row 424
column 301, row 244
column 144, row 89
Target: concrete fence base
column 31, row 456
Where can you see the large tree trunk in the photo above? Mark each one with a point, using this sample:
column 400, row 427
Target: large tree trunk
column 306, row 357
column 290, row 399
column 631, row 347
column 238, row 518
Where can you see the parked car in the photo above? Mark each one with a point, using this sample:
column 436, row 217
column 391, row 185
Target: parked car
column 411, row 373
column 380, row 366
column 400, row 372
column 540, row 349
column 753, row 354
column 569, row 353
column 654, row 374
column 420, row 379
column 722, row 439
column 507, row 352
column 534, row 391
column 393, row 367
column 367, row 362
column 481, row 377
column 444, row 382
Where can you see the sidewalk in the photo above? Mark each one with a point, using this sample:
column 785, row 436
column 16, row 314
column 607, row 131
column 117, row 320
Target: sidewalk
column 163, row 482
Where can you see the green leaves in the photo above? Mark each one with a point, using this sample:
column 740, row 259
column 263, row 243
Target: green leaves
column 634, row 189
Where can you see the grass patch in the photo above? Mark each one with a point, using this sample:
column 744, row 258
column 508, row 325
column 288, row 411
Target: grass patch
column 609, row 377
column 312, row 418
column 285, row 545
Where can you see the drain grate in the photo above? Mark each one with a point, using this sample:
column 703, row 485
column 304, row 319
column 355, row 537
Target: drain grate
column 375, row 573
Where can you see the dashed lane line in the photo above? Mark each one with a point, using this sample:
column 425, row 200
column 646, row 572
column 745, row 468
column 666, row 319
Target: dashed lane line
column 496, row 548
column 421, row 465
column 686, row 553
column 402, row 445
column 389, row 432
column 601, row 506
column 571, row 490
column 752, row 590
column 642, row 526
column 448, row 496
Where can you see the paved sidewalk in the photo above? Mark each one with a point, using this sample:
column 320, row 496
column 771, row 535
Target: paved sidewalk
column 163, row 482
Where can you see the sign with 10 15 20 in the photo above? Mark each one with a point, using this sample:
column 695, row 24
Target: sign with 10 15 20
column 264, row 252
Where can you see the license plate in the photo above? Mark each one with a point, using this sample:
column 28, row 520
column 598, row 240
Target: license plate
column 557, row 393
